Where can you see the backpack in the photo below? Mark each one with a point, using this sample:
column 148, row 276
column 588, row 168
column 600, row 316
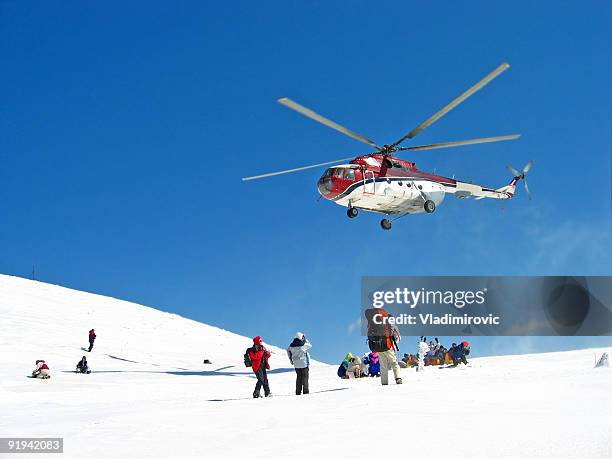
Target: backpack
column 378, row 334
column 247, row 358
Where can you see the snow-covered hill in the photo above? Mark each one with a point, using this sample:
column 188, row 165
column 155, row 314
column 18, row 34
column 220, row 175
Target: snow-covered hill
column 150, row 395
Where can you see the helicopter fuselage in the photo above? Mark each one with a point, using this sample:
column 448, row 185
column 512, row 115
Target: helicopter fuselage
column 389, row 185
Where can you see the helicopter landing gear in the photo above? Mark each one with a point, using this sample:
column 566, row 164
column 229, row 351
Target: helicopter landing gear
column 385, row 224
column 429, row 206
column 352, row 212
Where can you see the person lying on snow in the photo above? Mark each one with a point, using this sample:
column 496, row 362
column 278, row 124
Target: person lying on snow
column 373, row 363
column 300, row 359
column 259, row 356
column 82, row 366
column 42, row 370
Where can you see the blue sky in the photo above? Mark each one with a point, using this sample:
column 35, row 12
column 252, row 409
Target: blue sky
column 125, row 129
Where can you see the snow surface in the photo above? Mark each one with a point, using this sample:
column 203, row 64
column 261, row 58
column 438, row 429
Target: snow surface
column 151, row 396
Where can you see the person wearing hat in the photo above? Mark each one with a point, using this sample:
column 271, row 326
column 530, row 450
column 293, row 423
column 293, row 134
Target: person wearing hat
column 344, row 365
column 83, row 366
column 259, row 356
column 300, row 359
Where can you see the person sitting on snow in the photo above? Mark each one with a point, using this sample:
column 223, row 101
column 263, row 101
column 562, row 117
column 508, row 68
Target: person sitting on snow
column 347, row 363
column 42, row 370
column 82, row 366
column 365, row 365
column 373, row 363
column 464, row 351
column 354, row 367
column 440, row 355
column 454, row 353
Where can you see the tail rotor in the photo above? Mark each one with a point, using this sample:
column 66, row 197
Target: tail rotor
column 522, row 175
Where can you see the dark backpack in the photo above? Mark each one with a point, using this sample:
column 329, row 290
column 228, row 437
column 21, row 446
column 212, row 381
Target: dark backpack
column 247, row 358
column 378, row 334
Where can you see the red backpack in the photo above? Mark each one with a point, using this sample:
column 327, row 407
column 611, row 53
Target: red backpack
column 380, row 338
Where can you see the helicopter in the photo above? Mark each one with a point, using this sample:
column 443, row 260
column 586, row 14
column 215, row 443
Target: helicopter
column 380, row 182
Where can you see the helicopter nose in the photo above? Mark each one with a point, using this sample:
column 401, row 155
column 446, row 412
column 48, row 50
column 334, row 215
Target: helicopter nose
column 325, row 186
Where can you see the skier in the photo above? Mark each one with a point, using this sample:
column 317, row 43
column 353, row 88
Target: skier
column 300, row 359
column 82, row 366
column 384, row 338
column 42, row 370
column 92, row 338
column 259, row 356
column 373, row 363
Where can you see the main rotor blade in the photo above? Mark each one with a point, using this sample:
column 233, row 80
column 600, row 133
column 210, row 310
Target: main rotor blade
column 297, row 169
column 459, row 143
column 443, row 111
column 528, row 166
column 329, row 123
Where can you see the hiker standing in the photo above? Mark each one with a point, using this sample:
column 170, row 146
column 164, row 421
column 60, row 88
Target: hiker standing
column 300, row 359
column 259, row 356
column 92, row 338
column 383, row 338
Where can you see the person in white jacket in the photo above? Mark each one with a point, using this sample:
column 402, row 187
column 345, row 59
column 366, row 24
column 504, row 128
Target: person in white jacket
column 300, row 359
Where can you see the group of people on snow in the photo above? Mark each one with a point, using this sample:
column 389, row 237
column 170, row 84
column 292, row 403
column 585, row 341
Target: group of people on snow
column 42, row 371
column 360, row 367
column 434, row 353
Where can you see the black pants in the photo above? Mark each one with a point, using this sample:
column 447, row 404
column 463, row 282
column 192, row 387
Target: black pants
column 91, row 341
column 262, row 380
column 301, row 382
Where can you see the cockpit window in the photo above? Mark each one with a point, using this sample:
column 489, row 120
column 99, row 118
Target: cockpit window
column 338, row 172
column 349, row 174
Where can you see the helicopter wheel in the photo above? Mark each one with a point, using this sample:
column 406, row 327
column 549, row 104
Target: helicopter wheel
column 385, row 224
column 352, row 212
column 429, row 206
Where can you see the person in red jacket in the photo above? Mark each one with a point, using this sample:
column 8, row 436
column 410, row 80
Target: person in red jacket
column 92, row 338
column 259, row 356
column 42, row 370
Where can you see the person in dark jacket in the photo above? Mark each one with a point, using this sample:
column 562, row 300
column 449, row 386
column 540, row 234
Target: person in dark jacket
column 300, row 359
column 82, row 366
column 259, row 356
column 92, row 338
column 454, row 353
column 463, row 352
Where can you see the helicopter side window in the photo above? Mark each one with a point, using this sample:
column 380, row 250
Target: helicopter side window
column 349, row 174
column 338, row 172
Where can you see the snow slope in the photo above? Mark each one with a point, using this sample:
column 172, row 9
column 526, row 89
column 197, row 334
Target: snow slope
column 150, row 395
